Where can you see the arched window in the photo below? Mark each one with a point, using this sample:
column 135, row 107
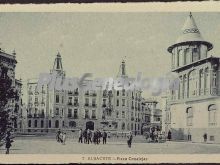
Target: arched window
column 57, row 124
column 212, row 114
column 29, row 123
column 192, row 83
column 195, row 54
column 181, row 57
column 189, row 116
column 72, row 124
column 35, row 123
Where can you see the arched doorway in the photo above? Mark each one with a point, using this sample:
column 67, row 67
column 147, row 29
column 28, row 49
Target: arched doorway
column 90, row 125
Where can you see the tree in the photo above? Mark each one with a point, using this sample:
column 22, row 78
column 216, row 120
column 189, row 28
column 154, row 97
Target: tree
column 7, row 94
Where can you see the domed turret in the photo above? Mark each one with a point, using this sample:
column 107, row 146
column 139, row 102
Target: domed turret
column 190, row 46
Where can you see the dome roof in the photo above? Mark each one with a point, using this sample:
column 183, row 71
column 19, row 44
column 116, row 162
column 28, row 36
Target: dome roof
column 190, row 33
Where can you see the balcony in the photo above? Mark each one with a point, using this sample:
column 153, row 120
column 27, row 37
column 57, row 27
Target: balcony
column 70, row 93
column 87, row 94
column 70, row 103
column 94, row 105
column 86, row 104
column 104, row 105
column 94, row 94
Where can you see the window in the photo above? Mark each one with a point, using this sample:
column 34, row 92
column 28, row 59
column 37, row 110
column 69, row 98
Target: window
column 42, row 124
column 132, row 126
column 70, row 100
column 69, row 112
column 189, row 116
column 93, row 114
column 57, row 98
column 49, row 124
column 195, row 54
column 29, row 123
column 93, row 102
column 212, row 110
column 123, row 114
column 123, row 102
column 117, row 102
column 104, row 103
column 123, row 92
column 117, row 93
column 192, row 83
column 57, row 111
column 86, row 113
column 36, row 100
column 72, row 124
column 63, row 124
column 75, row 113
column 123, row 126
column 57, row 124
column 75, row 100
column 62, row 99
column 35, row 123
column 86, row 101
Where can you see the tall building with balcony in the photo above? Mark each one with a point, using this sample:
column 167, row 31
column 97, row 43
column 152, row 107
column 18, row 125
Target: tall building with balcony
column 194, row 108
column 7, row 71
column 113, row 110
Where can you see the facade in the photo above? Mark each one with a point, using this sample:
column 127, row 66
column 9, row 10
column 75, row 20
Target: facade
column 112, row 110
column 152, row 116
column 193, row 110
column 7, row 69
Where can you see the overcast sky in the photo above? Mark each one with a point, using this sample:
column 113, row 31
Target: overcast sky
column 97, row 42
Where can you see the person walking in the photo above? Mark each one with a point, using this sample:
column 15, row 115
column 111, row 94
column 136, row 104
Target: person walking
column 169, row 135
column 89, row 135
column 80, row 136
column 104, row 137
column 63, row 138
column 95, row 137
column 58, row 135
column 8, row 142
column 85, row 136
column 130, row 137
column 205, row 137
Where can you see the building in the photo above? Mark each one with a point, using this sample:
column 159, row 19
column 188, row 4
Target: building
column 7, row 69
column 152, row 116
column 112, row 110
column 194, row 108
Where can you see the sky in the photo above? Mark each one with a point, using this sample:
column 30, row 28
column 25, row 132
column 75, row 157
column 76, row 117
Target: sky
column 97, row 42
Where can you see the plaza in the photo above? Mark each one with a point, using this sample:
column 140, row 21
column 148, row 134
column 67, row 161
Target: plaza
column 48, row 145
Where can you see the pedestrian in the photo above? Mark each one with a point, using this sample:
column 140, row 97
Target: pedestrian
column 80, row 136
column 95, row 137
column 205, row 137
column 63, row 138
column 129, row 141
column 58, row 135
column 104, row 137
column 169, row 135
column 99, row 136
column 89, row 135
column 85, row 136
column 8, row 142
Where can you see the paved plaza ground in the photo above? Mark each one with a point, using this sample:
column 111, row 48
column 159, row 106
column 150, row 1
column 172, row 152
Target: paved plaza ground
column 48, row 145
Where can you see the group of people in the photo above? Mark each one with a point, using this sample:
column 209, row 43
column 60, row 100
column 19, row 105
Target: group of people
column 87, row 136
column 61, row 137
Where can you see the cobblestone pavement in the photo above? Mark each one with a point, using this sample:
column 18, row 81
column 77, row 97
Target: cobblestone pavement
column 43, row 145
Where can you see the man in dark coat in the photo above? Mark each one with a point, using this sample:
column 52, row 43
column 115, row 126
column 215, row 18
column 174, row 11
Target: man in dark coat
column 130, row 137
column 169, row 135
column 104, row 136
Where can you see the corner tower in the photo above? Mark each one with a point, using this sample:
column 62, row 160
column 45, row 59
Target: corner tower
column 190, row 46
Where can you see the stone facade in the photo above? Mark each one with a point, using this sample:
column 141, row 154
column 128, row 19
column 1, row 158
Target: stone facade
column 112, row 110
column 192, row 110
